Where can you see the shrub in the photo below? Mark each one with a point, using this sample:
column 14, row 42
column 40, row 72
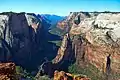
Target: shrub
column 19, row 70
column 57, row 43
column 45, row 77
column 73, row 69
column 23, row 73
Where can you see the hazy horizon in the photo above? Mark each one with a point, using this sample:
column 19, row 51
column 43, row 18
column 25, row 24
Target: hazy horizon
column 59, row 7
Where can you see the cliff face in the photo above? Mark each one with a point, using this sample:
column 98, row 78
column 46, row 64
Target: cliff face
column 20, row 38
column 95, row 38
column 65, row 51
column 73, row 18
column 63, row 58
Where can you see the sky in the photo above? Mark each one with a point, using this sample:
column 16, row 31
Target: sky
column 59, row 7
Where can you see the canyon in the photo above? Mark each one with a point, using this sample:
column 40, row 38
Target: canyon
column 89, row 38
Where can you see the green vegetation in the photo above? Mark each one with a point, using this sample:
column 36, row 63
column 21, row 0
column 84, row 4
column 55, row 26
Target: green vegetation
column 19, row 70
column 58, row 43
column 26, row 75
column 23, row 73
column 57, row 31
column 45, row 77
column 90, row 71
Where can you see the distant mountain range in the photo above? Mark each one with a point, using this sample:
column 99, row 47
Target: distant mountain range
column 52, row 19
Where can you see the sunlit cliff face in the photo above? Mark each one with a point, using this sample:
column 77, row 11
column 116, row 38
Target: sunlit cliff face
column 32, row 21
column 101, row 31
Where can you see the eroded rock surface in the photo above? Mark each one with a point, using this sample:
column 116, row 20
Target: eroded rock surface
column 90, row 39
column 67, row 76
column 7, row 71
column 100, row 37
column 63, row 59
column 65, row 52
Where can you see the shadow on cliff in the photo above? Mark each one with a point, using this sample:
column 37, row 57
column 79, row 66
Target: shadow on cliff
column 63, row 59
column 26, row 47
column 29, row 48
column 47, row 50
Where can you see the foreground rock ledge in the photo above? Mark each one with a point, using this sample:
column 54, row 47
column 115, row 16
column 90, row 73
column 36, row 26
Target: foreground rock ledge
column 7, row 71
column 67, row 76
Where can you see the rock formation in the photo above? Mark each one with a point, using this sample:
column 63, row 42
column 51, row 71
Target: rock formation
column 23, row 39
column 98, row 36
column 92, row 37
column 63, row 59
column 65, row 51
column 7, row 71
column 20, row 38
column 67, row 76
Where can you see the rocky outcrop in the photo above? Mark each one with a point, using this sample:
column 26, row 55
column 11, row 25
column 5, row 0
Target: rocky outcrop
column 73, row 18
column 65, row 51
column 67, row 76
column 7, row 71
column 20, row 38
